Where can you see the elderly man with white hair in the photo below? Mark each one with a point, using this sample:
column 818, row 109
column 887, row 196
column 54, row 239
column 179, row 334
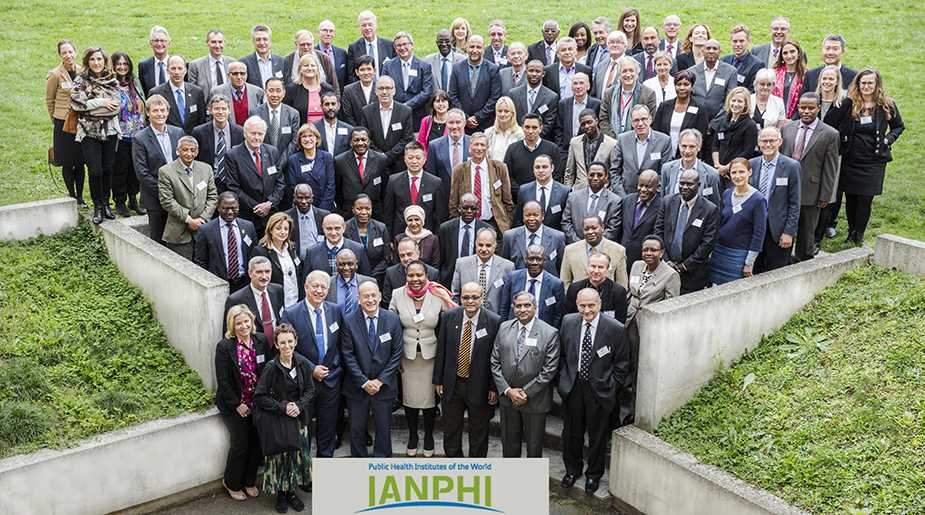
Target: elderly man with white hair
column 253, row 176
column 369, row 43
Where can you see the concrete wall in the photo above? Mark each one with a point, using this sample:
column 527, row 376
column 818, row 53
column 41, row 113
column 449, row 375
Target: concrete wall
column 24, row 221
column 649, row 476
column 900, row 253
column 188, row 301
column 683, row 341
column 117, row 470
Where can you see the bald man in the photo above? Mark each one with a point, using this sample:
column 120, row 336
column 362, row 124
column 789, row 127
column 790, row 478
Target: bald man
column 389, row 124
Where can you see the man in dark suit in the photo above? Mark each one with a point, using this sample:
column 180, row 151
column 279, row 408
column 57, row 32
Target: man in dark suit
column 359, row 170
column 646, row 58
column 305, row 45
column 532, row 97
column 414, row 84
column 688, row 247
column 360, row 92
column 768, row 52
column 253, row 175
column 711, row 95
column 544, row 50
column 389, row 124
column 345, row 283
column 496, row 52
column 153, row 147
column 152, row 72
column 380, row 49
column 597, row 52
column 447, row 152
column 225, row 255
column 457, row 237
column 335, row 134
column 639, row 212
column 536, row 279
column 414, row 186
column 552, row 195
column 307, row 220
column 594, row 199
column 322, row 255
column 558, row 76
column 515, row 242
column 319, row 326
column 746, row 64
column 670, row 44
column 217, row 137
column 336, row 54
column 521, row 155
column 476, row 99
column 371, row 351
column 262, row 65
column 625, row 162
column 282, row 121
column 395, row 275
column 595, row 363
column 187, row 101
column 567, row 126
column 613, row 294
column 264, row 298
column 833, row 51
column 375, row 241
column 462, row 372
column 777, row 177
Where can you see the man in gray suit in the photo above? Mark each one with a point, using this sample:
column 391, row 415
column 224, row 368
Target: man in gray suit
column 595, row 199
column 485, row 268
column 715, row 79
column 282, row 120
column 689, row 143
column 211, row 70
column 607, row 72
column 524, row 362
column 186, row 190
column 777, row 177
column 345, row 285
column 513, row 75
column 767, row 53
column 153, row 147
column 533, row 97
column 238, row 90
column 261, row 64
column 637, row 150
column 618, row 100
column 815, row 145
column 442, row 61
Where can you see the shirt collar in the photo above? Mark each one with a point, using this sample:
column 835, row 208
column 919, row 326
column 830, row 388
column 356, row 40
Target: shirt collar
column 255, row 291
column 812, row 126
column 594, row 322
column 367, row 315
column 570, row 69
column 474, row 320
column 538, row 233
column 351, row 282
column 528, row 327
column 311, row 309
column 331, row 247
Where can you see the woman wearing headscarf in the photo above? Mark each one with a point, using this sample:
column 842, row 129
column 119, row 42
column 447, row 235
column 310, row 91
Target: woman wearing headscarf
column 428, row 245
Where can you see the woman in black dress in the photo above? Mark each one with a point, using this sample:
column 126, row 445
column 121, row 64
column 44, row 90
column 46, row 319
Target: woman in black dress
column 733, row 133
column 67, row 153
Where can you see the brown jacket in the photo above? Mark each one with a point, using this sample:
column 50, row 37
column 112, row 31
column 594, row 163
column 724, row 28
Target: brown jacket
column 499, row 184
column 58, row 86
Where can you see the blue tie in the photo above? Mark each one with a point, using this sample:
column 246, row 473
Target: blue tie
column 319, row 335
column 373, row 340
column 349, row 302
column 332, row 254
column 181, row 106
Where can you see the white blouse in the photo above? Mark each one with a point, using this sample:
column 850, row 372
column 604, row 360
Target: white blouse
column 290, row 276
column 774, row 111
column 660, row 94
column 498, row 141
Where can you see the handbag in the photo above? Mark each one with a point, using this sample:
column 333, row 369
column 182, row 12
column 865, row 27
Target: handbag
column 277, row 433
column 52, row 159
column 70, row 122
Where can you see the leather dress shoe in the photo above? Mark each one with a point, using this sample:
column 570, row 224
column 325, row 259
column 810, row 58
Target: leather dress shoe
column 294, row 501
column 123, row 211
column 591, row 485
column 107, row 212
column 97, row 215
column 569, row 481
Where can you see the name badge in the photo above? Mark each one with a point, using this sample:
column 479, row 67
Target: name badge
column 385, row 337
column 603, row 351
column 550, row 301
column 736, row 209
column 260, row 358
column 193, row 108
column 497, row 184
column 377, row 181
column 307, row 167
column 693, row 109
column 293, row 373
column 502, row 60
column 296, row 262
column 610, row 313
column 602, row 214
column 481, row 333
column 721, row 136
column 418, row 317
column 278, row 74
column 412, row 72
column 201, row 186
column 740, row 78
column 555, row 209
column 781, row 181
column 530, row 342
column 655, row 156
column 285, row 130
column 428, row 197
column 867, row 119
column 341, row 131
column 271, row 170
column 697, row 222
column 67, row 85
column 377, row 242
column 542, row 109
column 719, row 82
column 333, row 327
column 707, row 191
column 552, row 255
column 396, row 126
column 499, row 283
column 247, row 240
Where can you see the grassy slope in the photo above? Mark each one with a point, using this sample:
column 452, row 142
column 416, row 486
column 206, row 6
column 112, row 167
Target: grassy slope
column 80, row 350
column 828, row 412
column 879, row 35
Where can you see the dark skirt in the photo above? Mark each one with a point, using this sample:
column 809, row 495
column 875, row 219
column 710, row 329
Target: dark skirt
column 285, row 472
column 861, row 178
column 67, row 151
column 726, row 264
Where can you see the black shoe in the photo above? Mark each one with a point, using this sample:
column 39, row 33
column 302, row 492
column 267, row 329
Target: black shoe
column 859, row 239
column 97, row 215
column 306, row 488
column 281, row 505
column 369, row 439
column 294, row 501
column 850, row 238
column 591, row 485
column 123, row 211
column 107, row 212
column 81, row 203
column 569, row 481
column 830, row 232
column 135, row 206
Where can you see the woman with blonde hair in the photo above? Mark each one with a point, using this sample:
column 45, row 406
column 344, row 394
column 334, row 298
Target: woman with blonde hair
column 304, row 94
column 733, row 132
column 58, row 85
column 505, row 131
column 460, row 30
column 285, row 264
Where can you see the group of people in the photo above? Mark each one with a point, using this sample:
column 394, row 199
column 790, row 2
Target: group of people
column 473, row 229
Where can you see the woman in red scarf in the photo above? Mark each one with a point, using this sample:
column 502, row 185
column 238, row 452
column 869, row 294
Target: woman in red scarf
column 790, row 69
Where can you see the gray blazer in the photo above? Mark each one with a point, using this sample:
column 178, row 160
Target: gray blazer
column 200, row 74
column 288, row 118
column 600, row 79
column 506, row 75
column 819, row 163
column 467, row 270
column 576, row 208
column 763, row 53
column 724, row 80
column 434, row 60
column 576, row 175
column 534, row 371
column 332, row 288
column 624, row 163
column 709, row 181
column 423, row 332
column 665, row 283
column 254, row 99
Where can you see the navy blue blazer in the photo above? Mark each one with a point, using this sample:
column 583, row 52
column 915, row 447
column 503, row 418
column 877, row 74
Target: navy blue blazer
column 340, row 64
column 784, row 204
column 555, row 203
column 319, row 174
column 379, row 361
column 298, row 315
column 514, row 247
column 550, row 308
column 316, row 257
column 420, row 85
column 341, row 139
column 487, row 92
column 148, row 158
column 358, row 48
column 438, row 159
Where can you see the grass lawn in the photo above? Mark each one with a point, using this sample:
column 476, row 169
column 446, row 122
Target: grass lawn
column 829, row 411
column 879, row 33
column 80, row 350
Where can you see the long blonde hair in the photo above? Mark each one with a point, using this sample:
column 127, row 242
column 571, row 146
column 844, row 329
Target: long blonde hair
column 275, row 219
column 460, row 22
column 839, row 92
column 305, row 60
column 512, row 125
column 881, row 99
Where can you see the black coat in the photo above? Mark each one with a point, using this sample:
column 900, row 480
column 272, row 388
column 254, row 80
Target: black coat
column 205, row 135
column 277, row 274
column 608, row 372
column 228, row 374
column 347, row 182
column 252, row 188
column 697, row 242
column 448, row 340
column 297, row 98
column 209, row 251
column 401, row 132
column 448, row 236
column 431, row 198
column 195, row 100
column 632, row 237
column 661, row 122
column 377, row 246
column 272, row 394
column 246, row 296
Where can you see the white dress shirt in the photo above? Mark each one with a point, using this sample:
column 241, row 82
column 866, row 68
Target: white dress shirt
column 163, row 140
column 266, row 68
column 330, row 135
column 221, row 65
column 290, row 277
column 258, row 297
column 385, row 117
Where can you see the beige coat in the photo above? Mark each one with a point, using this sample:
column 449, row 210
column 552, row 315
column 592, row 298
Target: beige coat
column 665, row 283
column 576, row 175
column 180, row 196
column 421, row 331
column 575, row 262
column 58, row 86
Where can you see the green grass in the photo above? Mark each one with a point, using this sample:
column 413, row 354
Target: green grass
column 80, row 350
column 879, row 33
column 829, row 411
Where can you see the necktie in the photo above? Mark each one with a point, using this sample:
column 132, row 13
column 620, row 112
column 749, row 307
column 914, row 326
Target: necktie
column 238, row 94
column 189, row 172
column 521, row 342
column 273, row 129
column 516, row 78
column 161, row 74
column 360, row 165
column 532, row 289
column 548, row 54
column 404, row 75
column 257, row 163
column 371, row 332
column 332, row 255
column 531, row 98
column 266, row 317
column 775, row 51
column 533, row 239
column 801, row 142
column 584, row 372
column 650, row 67
column 219, row 76
column 543, row 197
column 457, row 155
column 610, row 75
column 483, row 279
column 349, row 301
column 466, row 241
column 592, row 206
column 640, row 208
column 477, row 187
column 445, row 73
column 220, row 155
column 319, row 334
column 473, row 79
column 414, row 189
column 679, row 232
column 181, row 106
column 465, row 349
column 765, row 178
column 372, row 53
column 670, row 49
column 232, row 253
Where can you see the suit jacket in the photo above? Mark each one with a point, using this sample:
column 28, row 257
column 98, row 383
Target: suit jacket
column 624, row 163
column 251, row 187
column 600, row 79
column 438, row 159
column 576, row 208
column 576, row 173
column 205, row 135
column 641, row 59
column 609, row 369
column 499, row 186
column 481, row 104
column 347, row 182
column 339, row 63
column 253, row 69
column 341, row 138
column 295, row 233
column 386, row 50
column 316, row 258
column 333, row 293
column 555, row 203
column 147, row 73
column 289, row 123
column 467, row 271
column 551, row 79
column 746, row 78
column 613, row 297
column 353, row 101
column 228, row 372
column 332, row 74
column 195, row 109
column 480, row 380
column 276, row 270
column 435, row 71
column 365, row 360
column 489, row 55
column 424, row 329
column 613, row 119
column 181, row 196
column 697, row 242
column 431, row 198
column 811, row 79
column 818, row 164
column 592, row 56
column 665, row 283
column 420, row 86
column 317, row 173
column 209, row 253
column 724, row 81
column 694, row 118
column 575, row 262
column 709, row 181
column 784, row 198
column 297, row 98
column 400, row 133
column 538, row 51
column 514, row 248
column 564, row 116
column 550, row 305
column 302, row 320
column 246, row 296
column 545, row 105
column 148, row 158
column 506, row 75
column 200, row 74
column 396, row 277
column 535, row 371
column 632, row 237
column 254, row 99
column 377, row 246
column 448, row 236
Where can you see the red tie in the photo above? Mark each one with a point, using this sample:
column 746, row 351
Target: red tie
column 477, row 188
column 259, row 166
column 266, row 318
column 414, row 189
column 668, row 49
column 360, row 165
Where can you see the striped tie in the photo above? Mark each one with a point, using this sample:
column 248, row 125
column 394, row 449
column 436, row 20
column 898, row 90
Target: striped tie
column 220, row 155
column 465, row 348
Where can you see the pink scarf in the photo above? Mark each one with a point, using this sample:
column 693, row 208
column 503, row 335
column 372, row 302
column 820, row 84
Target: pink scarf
column 436, row 289
column 795, row 86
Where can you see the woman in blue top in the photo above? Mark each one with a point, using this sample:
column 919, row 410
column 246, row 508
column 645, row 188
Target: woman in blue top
column 312, row 166
column 741, row 231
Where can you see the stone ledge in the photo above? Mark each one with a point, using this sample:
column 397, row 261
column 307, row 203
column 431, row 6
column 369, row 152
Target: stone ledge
column 28, row 220
column 900, row 253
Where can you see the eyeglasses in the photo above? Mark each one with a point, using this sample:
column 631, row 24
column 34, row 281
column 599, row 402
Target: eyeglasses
column 470, row 298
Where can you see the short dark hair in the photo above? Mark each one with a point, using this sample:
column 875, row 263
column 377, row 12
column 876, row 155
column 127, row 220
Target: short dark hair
column 601, row 164
column 272, row 79
column 357, row 128
column 533, row 116
column 365, row 59
column 655, row 237
column 587, row 112
column 329, row 93
column 812, row 95
column 685, row 75
column 414, row 145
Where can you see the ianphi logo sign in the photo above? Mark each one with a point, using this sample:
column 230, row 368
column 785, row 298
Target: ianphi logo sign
column 431, row 486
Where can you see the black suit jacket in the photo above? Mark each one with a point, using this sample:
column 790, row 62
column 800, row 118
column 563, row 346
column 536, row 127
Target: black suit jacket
column 694, row 118
column 148, row 158
column 251, row 188
column 341, row 139
column 205, row 135
column 546, row 105
column 246, row 296
column 613, row 297
column 487, row 92
column 377, row 246
column 538, row 51
column 353, row 101
column 431, row 198
column 208, row 250
column 551, row 79
column 228, row 373
column 297, row 98
column 632, row 237
column 448, row 237
column 148, row 75
column 697, row 243
column 195, row 100
column 555, row 203
column 396, row 276
column 253, row 69
column 316, row 258
column 564, row 117
column 317, row 213
column 400, row 133
column 489, row 55
column 363, row 363
column 358, row 48
column 347, row 183
column 277, row 270
column 811, row 79
column 608, row 372
column 448, row 339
